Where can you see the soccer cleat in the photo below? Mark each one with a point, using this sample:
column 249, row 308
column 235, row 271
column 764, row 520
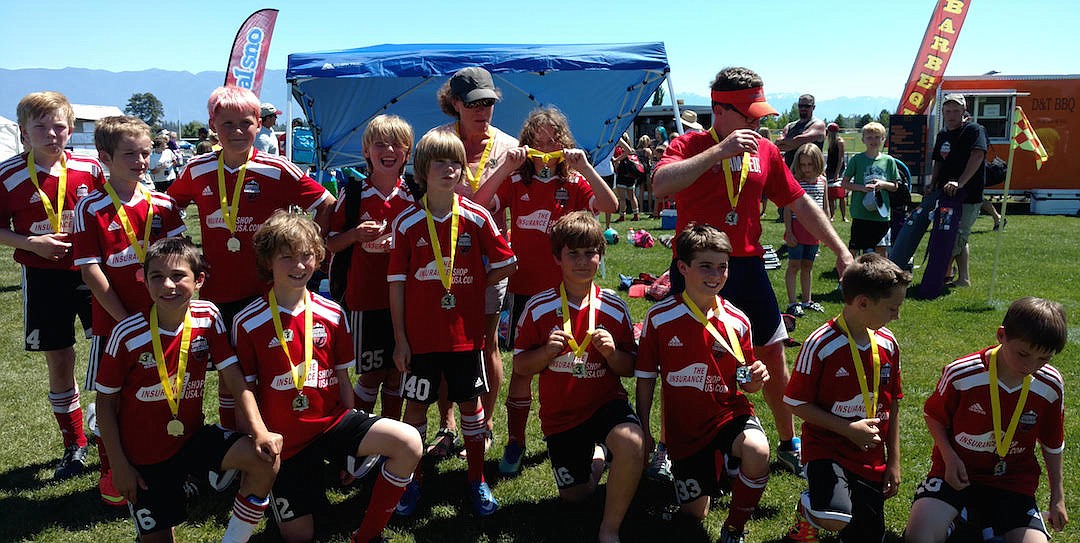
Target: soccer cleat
column 483, row 500
column 813, row 306
column 446, row 444
column 791, row 460
column 795, row 310
column 109, row 495
column 409, row 499
column 659, row 467
column 72, row 463
column 510, row 464
column 801, row 532
column 729, row 535
column 220, row 480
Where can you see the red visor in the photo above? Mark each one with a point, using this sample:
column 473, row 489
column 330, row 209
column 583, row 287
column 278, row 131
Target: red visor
column 749, row 102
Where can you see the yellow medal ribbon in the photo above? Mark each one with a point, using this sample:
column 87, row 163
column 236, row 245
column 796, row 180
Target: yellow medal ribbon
column 140, row 248
column 299, row 375
column 55, row 216
column 590, row 301
column 1001, row 443
column 732, row 344
column 445, row 275
column 474, row 178
column 732, row 194
column 545, row 157
column 229, row 210
column 172, row 395
column 869, row 398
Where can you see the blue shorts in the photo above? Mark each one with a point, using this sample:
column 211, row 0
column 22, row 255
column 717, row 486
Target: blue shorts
column 803, row 252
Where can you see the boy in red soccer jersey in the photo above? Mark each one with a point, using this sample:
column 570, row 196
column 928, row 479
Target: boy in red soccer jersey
column 361, row 221
column 846, row 388
column 114, row 226
column 985, row 435
column 235, row 190
column 149, row 403
column 580, row 340
column 296, row 350
column 700, row 346
column 443, row 254
column 38, row 193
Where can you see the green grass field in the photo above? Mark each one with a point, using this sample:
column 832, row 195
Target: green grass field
column 1038, row 257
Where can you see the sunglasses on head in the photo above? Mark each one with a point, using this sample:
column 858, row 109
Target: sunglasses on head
column 486, row 102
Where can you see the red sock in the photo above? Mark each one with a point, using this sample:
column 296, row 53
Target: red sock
column 517, row 417
column 226, row 408
column 391, row 404
column 472, row 427
column 384, row 497
column 69, row 416
column 745, row 494
column 102, row 455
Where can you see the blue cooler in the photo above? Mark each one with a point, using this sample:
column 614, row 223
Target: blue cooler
column 667, row 219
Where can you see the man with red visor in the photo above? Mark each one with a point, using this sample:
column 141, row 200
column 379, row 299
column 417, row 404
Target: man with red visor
column 718, row 177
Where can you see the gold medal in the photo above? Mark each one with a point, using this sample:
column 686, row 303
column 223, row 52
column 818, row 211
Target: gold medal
column 448, row 301
column 233, row 244
column 592, row 304
column 1002, row 440
column 731, row 344
column 999, row 468
column 301, row 403
column 577, row 369
column 732, row 218
column 230, row 210
column 175, row 428
column 870, row 397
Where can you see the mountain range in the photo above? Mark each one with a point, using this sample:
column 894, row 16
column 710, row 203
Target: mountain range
column 184, row 94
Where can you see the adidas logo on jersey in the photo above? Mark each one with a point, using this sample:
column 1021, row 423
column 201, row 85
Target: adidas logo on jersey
column 976, row 408
column 842, row 372
column 421, row 242
column 675, row 342
column 525, row 197
column 365, row 217
column 206, row 191
column 114, row 226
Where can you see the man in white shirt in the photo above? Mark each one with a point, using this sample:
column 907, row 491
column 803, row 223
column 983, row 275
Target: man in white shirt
column 266, row 141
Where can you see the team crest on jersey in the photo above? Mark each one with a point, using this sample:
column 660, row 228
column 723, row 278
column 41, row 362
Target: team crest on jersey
column 562, row 196
column 147, row 360
column 318, row 335
column 81, row 191
column 200, row 349
column 1028, row 420
column 886, row 373
column 287, row 333
column 464, row 242
column 252, row 189
column 155, row 223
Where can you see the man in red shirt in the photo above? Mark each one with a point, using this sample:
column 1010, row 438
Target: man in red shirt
column 718, row 177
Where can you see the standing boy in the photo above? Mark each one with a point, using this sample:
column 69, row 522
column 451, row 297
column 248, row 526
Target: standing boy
column 437, row 279
column 150, row 390
column 580, row 340
column 114, row 226
column 871, row 174
column 988, row 411
column 38, row 193
column 296, row 351
column 846, row 388
column 700, row 346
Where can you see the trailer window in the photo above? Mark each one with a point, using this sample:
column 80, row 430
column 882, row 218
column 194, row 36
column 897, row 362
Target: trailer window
column 992, row 112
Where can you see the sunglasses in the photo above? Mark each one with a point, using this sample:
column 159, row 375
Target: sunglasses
column 806, row 106
column 486, row 102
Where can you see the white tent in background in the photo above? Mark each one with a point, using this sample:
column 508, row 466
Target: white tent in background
column 9, row 138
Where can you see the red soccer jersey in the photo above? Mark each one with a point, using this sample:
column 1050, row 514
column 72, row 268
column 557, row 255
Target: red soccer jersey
column 961, row 402
column 22, row 212
column 566, row 401
column 825, row 376
column 271, row 182
column 706, row 200
column 265, row 365
column 534, row 207
column 697, row 375
column 100, row 239
column 128, row 369
column 365, row 286
column 429, row 327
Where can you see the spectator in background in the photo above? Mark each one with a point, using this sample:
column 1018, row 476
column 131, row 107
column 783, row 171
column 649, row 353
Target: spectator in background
column 204, row 145
column 266, row 141
column 162, row 163
column 645, row 156
column 689, row 121
column 834, row 172
column 173, row 144
column 661, row 135
column 629, row 173
column 807, row 129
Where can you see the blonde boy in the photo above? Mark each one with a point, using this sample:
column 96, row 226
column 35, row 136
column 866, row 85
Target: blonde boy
column 871, row 175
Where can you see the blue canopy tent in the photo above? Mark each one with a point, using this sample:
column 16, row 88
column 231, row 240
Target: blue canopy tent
column 600, row 88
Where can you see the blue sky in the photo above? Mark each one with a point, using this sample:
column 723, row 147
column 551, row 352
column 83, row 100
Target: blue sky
column 828, row 48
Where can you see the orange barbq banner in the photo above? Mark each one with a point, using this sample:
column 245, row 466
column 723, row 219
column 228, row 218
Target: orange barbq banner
column 937, row 46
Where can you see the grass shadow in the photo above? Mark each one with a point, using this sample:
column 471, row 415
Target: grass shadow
column 25, row 477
